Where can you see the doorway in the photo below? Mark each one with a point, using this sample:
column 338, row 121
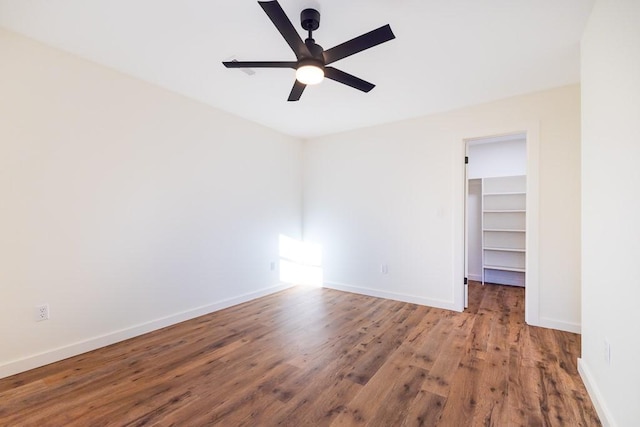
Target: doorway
column 496, row 210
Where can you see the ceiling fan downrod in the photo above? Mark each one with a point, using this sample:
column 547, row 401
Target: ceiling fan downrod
column 310, row 21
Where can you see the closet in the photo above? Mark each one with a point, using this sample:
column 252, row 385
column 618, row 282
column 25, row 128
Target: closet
column 496, row 210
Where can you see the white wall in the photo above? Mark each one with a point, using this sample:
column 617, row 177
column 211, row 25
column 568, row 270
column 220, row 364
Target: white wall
column 394, row 194
column 611, row 209
column 503, row 158
column 474, row 230
column 126, row 207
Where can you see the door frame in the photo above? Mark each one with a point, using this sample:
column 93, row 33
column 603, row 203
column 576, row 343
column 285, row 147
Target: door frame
column 466, row 226
column 532, row 281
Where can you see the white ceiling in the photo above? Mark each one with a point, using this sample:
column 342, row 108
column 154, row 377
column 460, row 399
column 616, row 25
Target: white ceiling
column 447, row 53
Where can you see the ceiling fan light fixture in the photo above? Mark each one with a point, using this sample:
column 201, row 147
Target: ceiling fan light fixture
column 309, row 74
column 313, row 63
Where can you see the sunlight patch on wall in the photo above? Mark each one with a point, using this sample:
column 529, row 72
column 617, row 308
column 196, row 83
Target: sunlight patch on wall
column 300, row 262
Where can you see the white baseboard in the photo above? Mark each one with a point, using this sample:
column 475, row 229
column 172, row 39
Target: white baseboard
column 74, row 349
column 447, row 305
column 475, row 277
column 560, row 325
column 594, row 392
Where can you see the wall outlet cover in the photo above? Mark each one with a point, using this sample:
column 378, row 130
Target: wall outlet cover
column 42, row 312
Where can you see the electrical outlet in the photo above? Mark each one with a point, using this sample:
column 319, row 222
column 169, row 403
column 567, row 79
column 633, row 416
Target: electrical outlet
column 384, row 269
column 42, row 312
column 607, row 352
column 273, row 266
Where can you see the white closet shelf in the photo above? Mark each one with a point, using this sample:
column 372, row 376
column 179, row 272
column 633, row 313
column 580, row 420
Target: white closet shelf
column 504, row 268
column 503, row 225
column 506, row 193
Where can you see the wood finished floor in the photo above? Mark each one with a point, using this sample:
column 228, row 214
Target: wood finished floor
column 318, row 357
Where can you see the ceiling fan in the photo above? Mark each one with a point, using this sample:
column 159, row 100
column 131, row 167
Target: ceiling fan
column 312, row 60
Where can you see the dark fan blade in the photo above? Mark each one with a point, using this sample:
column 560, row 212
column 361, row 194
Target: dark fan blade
column 296, row 91
column 260, row 64
column 365, row 41
column 284, row 25
column 347, row 79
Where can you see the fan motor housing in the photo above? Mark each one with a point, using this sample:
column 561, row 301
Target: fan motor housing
column 314, row 48
column 310, row 19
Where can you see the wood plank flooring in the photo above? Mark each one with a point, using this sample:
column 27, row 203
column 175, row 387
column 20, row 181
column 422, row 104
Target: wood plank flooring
column 319, row 357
